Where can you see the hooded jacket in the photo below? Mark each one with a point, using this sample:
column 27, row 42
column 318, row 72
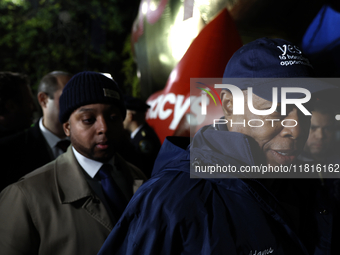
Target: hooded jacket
column 175, row 214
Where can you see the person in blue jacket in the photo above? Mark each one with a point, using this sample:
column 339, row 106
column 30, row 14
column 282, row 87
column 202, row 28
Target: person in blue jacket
column 181, row 210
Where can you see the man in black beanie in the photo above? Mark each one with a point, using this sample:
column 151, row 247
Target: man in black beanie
column 70, row 205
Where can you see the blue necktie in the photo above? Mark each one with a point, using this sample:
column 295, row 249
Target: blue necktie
column 111, row 190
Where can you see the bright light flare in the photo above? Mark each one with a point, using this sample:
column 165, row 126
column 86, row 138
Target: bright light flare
column 183, row 32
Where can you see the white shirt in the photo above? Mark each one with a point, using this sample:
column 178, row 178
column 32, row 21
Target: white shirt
column 134, row 133
column 91, row 167
column 51, row 139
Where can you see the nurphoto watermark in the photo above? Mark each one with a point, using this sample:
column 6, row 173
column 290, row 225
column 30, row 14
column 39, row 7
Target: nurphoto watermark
column 262, row 105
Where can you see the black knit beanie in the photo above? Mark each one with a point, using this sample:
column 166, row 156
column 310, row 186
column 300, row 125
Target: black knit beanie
column 89, row 88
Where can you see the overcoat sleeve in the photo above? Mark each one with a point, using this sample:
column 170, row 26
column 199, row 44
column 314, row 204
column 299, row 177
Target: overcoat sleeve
column 18, row 235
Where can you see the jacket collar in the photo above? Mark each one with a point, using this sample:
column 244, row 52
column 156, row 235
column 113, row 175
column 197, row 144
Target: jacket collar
column 221, row 142
column 173, row 148
column 70, row 181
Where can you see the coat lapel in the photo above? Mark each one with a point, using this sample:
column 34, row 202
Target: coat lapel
column 73, row 188
column 135, row 179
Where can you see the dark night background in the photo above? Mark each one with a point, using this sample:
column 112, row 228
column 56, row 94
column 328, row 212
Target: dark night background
column 38, row 37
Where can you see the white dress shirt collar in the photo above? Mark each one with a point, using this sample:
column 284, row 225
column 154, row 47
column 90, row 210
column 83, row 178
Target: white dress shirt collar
column 90, row 166
column 51, row 138
column 134, row 133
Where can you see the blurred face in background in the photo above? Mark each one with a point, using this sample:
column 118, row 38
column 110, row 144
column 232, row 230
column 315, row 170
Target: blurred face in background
column 50, row 108
column 321, row 135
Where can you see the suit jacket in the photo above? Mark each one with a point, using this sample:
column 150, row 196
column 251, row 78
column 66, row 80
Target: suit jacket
column 22, row 153
column 53, row 210
column 147, row 145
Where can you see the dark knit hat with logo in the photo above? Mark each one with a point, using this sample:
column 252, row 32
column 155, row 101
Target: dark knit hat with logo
column 89, row 88
column 266, row 63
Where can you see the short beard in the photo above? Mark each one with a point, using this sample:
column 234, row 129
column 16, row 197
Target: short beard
column 89, row 153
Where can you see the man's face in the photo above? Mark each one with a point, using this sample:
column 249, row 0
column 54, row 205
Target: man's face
column 321, row 134
column 95, row 130
column 51, row 112
column 280, row 145
column 128, row 119
column 52, row 105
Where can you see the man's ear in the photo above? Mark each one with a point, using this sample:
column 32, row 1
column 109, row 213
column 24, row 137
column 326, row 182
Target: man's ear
column 227, row 103
column 133, row 115
column 66, row 127
column 42, row 99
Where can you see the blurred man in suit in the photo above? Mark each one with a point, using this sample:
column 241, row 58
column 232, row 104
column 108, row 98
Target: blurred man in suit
column 25, row 151
column 144, row 139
